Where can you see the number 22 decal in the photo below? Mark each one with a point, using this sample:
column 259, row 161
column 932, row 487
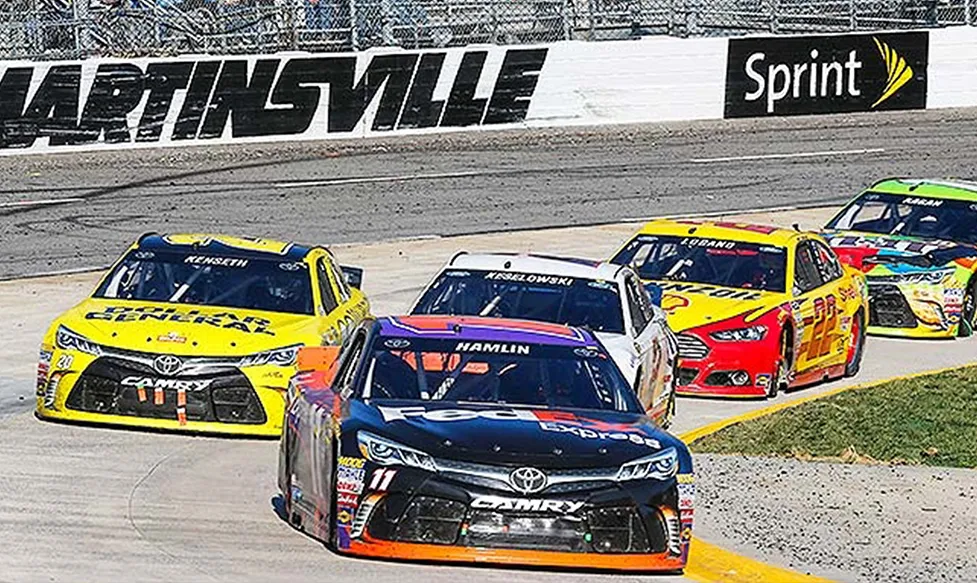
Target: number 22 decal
column 825, row 321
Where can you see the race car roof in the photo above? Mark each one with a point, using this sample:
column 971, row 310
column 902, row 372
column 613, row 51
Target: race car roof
column 477, row 329
column 225, row 245
column 541, row 264
column 724, row 231
column 928, row 188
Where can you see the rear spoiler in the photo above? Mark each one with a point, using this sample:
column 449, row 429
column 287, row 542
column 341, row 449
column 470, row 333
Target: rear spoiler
column 352, row 275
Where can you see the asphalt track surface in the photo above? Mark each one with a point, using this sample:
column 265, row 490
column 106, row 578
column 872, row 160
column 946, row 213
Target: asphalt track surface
column 69, row 211
column 90, row 504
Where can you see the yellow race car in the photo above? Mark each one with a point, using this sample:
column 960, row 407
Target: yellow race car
column 196, row 333
column 756, row 309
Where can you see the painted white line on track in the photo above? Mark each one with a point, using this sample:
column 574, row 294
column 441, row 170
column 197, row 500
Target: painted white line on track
column 42, row 202
column 785, row 156
column 375, row 179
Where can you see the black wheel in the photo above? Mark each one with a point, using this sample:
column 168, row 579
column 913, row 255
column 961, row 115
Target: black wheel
column 294, row 518
column 332, row 543
column 670, row 411
column 856, row 346
column 779, row 381
column 968, row 313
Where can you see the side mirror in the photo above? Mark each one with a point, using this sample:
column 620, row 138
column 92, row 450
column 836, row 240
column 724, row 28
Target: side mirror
column 655, row 293
column 322, row 361
column 353, row 276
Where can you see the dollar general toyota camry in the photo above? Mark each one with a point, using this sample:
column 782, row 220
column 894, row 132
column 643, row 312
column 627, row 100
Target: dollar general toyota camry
column 468, row 439
column 195, row 333
column 756, row 309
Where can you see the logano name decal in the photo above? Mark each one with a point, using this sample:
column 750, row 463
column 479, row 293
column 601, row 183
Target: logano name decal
column 240, row 97
column 226, row 320
column 552, row 421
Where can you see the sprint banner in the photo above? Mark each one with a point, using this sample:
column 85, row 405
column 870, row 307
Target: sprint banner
column 826, row 74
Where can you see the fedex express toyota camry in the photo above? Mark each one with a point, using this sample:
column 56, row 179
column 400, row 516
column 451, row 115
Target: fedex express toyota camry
column 473, row 439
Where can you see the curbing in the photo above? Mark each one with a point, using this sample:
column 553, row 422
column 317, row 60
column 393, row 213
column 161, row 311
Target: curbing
column 711, row 564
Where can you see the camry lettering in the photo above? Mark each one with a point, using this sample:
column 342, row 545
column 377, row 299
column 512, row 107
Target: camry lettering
column 405, row 413
column 218, row 261
column 174, row 384
column 526, row 505
column 493, row 348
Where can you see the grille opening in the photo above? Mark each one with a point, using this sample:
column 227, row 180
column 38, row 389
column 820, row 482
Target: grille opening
column 617, row 530
column 691, row 347
column 889, row 308
column 728, row 378
column 431, row 520
column 686, row 376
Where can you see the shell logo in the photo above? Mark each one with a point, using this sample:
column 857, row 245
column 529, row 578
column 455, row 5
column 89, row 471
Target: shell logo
column 671, row 303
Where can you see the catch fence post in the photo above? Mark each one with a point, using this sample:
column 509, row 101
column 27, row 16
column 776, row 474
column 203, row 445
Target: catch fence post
column 354, row 37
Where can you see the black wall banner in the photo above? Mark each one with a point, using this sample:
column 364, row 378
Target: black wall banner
column 826, row 74
column 259, row 96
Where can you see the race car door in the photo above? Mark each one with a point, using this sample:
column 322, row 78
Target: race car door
column 831, row 350
column 815, row 307
column 646, row 332
column 336, row 304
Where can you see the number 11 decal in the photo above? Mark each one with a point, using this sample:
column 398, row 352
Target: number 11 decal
column 381, row 479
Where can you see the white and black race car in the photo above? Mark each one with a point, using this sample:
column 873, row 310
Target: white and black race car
column 604, row 298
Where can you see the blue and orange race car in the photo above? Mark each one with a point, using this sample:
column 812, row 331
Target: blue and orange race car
column 471, row 439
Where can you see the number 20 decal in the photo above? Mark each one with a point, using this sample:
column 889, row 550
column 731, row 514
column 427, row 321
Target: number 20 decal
column 381, row 479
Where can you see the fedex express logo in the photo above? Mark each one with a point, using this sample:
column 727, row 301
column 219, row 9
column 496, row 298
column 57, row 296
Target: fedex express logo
column 553, row 421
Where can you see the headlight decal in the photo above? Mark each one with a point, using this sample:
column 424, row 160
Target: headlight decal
column 385, row 452
column 278, row 357
column 68, row 340
column 660, row 466
column 750, row 334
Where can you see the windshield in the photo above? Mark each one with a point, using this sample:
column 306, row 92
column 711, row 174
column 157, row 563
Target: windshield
column 711, row 261
column 210, row 280
column 897, row 214
column 496, row 372
column 543, row 298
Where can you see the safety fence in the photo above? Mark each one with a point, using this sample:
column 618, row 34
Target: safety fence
column 65, row 29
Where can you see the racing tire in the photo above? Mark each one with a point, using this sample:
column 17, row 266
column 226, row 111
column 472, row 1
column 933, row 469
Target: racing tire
column 968, row 311
column 293, row 517
column 779, row 379
column 332, row 542
column 669, row 412
column 856, row 347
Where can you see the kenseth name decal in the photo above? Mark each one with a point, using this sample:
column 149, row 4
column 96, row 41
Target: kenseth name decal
column 74, row 104
column 527, row 505
column 218, row 261
column 552, row 421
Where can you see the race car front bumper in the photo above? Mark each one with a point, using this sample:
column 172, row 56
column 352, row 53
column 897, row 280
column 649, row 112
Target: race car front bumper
column 725, row 369
column 635, row 528
column 913, row 310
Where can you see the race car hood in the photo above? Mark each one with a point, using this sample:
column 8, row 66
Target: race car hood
column 496, row 434
column 623, row 351
column 894, row 254
column 690, row 305
column 184, row 329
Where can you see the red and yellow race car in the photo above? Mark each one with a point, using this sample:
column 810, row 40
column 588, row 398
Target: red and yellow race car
column 756, row 309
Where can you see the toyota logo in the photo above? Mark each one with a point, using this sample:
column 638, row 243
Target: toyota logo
column 167, row 364
column 527, row 480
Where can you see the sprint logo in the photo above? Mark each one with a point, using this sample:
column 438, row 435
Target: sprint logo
column 826, row 74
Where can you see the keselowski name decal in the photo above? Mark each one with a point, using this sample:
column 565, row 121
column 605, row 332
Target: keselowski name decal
column 213, row 260
column 493, row 348
column 226, row 320
column 552, row 421
column 527, row 504
column 70, row 104
column 552, row 280
column 175, row 384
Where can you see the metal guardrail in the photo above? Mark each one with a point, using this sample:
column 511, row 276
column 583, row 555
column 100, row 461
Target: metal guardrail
column 63, row 29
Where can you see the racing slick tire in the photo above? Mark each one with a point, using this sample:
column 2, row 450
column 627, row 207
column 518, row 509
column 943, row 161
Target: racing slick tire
column 856, row 347
column 779, row 380
column 968, row 312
